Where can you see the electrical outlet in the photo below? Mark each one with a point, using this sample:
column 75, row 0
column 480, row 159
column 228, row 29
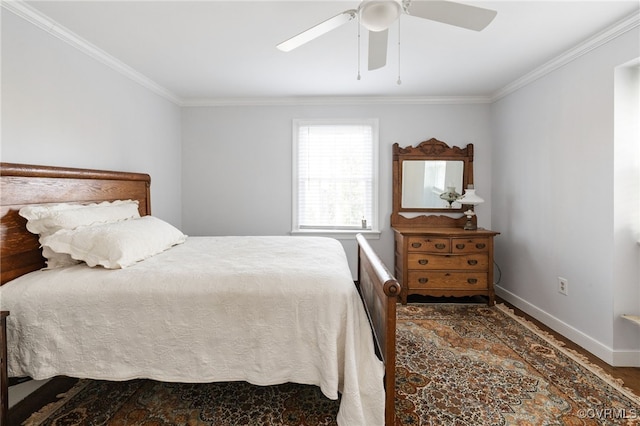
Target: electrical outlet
column 563, row 286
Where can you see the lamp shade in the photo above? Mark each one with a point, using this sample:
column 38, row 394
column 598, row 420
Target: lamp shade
column 378, row 15
column 470, row 197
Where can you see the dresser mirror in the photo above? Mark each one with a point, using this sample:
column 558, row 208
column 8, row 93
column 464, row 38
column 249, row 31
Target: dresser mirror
column 424, row 172
column 423, row 182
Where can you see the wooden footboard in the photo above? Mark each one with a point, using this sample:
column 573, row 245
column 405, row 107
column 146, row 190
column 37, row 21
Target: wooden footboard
column 379, row 291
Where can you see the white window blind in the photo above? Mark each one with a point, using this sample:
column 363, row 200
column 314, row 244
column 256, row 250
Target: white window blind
column 335, row 175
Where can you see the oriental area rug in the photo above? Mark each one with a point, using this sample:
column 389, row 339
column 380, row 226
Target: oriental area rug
column 457, row 364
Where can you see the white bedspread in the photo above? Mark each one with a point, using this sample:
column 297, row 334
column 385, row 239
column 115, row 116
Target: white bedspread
column 266, row 310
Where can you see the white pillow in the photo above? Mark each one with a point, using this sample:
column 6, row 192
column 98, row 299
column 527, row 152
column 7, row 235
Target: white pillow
column 46, row 219
column 116, row 245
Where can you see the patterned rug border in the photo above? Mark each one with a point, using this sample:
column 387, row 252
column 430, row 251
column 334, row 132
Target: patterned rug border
column 618, row 384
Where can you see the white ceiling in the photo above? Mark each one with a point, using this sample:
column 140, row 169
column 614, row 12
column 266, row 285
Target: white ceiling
column 226, row 49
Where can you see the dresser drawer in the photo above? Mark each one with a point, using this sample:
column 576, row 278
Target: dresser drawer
column 428, row 244
column 469, row 245
column 453, row 280
column 444, row 261
column 478, row 261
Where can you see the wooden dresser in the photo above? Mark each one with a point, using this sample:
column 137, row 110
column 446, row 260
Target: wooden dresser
column 447, row 261
column 434, row 254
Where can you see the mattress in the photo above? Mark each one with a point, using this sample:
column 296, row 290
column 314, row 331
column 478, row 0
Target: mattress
column 265, row 310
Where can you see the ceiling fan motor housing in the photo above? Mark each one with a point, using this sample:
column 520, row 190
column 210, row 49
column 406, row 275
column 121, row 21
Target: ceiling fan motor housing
column 378, row 15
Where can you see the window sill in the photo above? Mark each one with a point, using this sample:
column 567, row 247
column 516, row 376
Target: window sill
column 339, row 234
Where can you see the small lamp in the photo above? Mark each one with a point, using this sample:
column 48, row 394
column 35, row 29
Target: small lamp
column 470, row 198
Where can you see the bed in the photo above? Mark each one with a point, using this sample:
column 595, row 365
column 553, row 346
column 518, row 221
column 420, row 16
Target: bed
column 151, row 320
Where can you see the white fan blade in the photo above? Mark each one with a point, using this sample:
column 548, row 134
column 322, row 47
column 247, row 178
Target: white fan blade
column 378, row 49
column 317, row 30
column 458, row 14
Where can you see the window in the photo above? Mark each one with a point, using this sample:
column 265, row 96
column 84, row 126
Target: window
column 335, row 176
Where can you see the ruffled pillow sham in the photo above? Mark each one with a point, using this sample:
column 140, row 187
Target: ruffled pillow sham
column 116, row 245
column 46, row 219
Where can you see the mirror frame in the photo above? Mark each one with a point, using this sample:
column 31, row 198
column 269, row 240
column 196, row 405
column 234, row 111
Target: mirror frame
column 431, row 149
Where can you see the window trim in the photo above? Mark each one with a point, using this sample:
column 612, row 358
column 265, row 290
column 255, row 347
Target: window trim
column 371, row 233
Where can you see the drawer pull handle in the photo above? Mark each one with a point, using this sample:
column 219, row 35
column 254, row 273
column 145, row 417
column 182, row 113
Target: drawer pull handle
column 416, row 245
column 460, row 246
column 472, row 262
column 480, row 245
column 472, row 280
column 440, row 246
column 423, row 280
column 423, row 261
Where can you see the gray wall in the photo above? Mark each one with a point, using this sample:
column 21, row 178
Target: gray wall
column 237, row 162
column 61, row 107
column 553, row 199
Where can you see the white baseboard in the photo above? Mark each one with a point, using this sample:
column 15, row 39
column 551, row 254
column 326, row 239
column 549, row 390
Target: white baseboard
column 18, row 392
column 605, row 353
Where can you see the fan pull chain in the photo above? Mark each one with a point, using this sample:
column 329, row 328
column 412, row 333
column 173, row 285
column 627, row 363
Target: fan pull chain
column 358, row 46
column 399, row 81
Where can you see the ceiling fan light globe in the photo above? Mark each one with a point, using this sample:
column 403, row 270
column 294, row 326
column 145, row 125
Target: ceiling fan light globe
column 378, row 15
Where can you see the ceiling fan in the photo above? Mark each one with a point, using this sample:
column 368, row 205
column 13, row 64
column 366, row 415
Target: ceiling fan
column 377, row 15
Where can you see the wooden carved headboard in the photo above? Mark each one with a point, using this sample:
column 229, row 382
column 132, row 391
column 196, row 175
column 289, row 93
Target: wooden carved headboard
column 23, row 184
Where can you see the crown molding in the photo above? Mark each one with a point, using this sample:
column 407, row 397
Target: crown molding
column 336, row 100
column 28, row 13
column 35, row 17
column 23, row 10
column 616, row 30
